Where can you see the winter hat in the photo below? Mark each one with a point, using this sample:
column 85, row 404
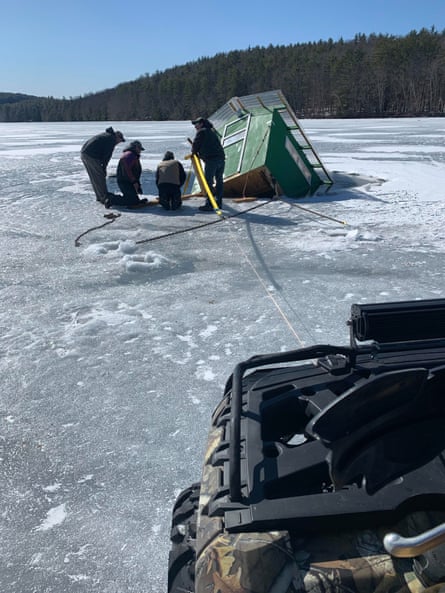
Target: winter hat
column 205, row 122
column 168, row 156
column 135, row 144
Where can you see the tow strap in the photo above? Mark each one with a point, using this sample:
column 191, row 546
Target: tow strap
column 112, row 216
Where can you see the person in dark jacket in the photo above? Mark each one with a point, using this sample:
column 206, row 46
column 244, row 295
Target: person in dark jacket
column 129, row 172
column 208, row 147
column 170, row 176
column 95, row 155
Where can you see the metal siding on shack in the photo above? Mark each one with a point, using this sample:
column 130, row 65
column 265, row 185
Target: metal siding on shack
column 267, row 151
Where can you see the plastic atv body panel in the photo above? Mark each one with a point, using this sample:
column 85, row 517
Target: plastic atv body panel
column 315, row 455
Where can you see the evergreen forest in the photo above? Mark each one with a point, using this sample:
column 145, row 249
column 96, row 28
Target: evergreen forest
column 369, row 76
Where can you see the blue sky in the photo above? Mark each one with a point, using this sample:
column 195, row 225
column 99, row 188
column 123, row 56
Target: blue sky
column 67, row 48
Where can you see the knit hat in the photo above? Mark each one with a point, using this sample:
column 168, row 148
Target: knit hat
column 135, row 144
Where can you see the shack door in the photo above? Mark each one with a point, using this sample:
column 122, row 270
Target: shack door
column 234, row 142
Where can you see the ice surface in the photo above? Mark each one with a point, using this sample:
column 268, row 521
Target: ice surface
column 114, row 353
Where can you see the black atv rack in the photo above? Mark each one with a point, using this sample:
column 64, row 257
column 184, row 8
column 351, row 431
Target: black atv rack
column 353, row 435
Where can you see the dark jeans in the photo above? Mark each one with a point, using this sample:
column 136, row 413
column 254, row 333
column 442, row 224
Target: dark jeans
column 130, row 196
column 214, row 171
column 170, row 196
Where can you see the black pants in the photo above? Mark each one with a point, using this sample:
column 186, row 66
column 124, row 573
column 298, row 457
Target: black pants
column 170, row 196
column 130, row 196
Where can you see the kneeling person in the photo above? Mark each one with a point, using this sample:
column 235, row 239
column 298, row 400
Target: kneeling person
column 129, row 172
column 170, row 176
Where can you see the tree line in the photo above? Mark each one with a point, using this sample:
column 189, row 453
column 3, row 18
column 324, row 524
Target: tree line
column 369, row 76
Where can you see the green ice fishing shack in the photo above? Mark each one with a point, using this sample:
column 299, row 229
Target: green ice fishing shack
column 267, row 151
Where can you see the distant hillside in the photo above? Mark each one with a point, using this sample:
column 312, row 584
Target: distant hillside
column 369, row 76
column 10, row 98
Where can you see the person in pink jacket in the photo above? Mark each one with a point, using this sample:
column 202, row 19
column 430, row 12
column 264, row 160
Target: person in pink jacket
column 129, row 172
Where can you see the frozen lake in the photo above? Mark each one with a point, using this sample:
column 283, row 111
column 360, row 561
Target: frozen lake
column 114, row 353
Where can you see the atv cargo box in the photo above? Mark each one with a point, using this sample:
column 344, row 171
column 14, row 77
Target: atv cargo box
column 325, row 467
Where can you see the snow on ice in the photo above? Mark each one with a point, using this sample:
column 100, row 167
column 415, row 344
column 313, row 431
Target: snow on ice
column 114, row 353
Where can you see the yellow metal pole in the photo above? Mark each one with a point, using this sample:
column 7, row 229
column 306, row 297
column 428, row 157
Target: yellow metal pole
column 203, row 182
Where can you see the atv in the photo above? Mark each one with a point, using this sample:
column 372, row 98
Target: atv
column 325, row 467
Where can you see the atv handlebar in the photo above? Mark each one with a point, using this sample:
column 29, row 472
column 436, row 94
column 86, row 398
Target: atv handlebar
column 409, row 547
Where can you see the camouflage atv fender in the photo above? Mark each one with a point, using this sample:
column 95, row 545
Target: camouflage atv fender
column 278, row 562
column 236, row 562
